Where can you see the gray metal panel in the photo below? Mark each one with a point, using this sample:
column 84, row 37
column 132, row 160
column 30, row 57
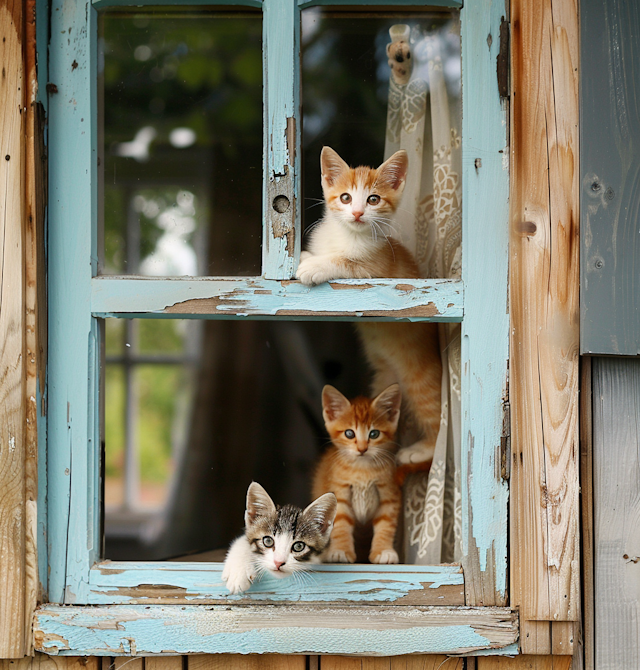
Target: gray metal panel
column 616, row 507
column 610, row 176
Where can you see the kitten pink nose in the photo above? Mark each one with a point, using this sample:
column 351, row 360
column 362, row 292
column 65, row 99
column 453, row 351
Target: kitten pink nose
column 357, row 215
column 362, row 448
column 278, row 564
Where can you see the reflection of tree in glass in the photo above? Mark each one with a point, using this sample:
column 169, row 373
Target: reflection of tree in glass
column 182, row 115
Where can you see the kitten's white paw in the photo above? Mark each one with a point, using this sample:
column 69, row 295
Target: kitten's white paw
column 416, row 453
column 237, row 578
column 305, row 254
column 339, row 556
column 386, row 556
column 313, row 270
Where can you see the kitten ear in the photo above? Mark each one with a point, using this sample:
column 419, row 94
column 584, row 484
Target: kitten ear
column 393, row 171
column 333, row 403
column 258, row 504
column 331, row 166
column 388, row 404
column 322, row 512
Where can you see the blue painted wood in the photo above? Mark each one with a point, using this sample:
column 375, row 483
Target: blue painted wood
column 366, row 631
column 411, row 299
column 281, row 60
column 141, row 583
column 378, row 3
column 72, row 466
column 485, row 329
column 104, row 4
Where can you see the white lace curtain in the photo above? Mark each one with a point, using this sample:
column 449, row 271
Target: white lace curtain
column 424, row 119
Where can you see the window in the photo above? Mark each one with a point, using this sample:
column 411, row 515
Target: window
column 85, row 292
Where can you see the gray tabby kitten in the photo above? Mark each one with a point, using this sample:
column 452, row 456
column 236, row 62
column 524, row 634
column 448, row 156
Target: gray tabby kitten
column 277, row 540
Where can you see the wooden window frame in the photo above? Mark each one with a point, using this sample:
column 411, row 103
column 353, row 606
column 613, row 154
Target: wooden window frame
column 105, row 608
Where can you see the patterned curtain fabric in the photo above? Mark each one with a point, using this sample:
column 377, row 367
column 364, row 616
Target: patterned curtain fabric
column 424, row 119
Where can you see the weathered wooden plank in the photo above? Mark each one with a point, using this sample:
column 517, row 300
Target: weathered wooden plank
column 375, row 3
column 562, row 637
column 485, row 329
column 164, row 583
column 525, row 663
column 252, row 662
column 13, row 434
column 616, row 506
column 535, row 637
column 431, row 662
column 367, row 631
column 103, row 4
column 281, row 237
column 131, row 663
column 586, row 492
column 163, row 663
column 348, row 299
column 46, row 662
column 544, row 289
column 610, row 188
column 72, row 467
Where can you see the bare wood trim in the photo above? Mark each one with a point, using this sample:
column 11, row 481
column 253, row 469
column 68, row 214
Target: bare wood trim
column 417, row 662
column 13, row 643
column 544, row 289
column 535, row 637
column 163, row 663
column 44, row 662
column 586, row 488
column 562, row 637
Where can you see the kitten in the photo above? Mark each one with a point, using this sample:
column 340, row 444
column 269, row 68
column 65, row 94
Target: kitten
column 360, row 469
column 352, row 241
column 277, row 540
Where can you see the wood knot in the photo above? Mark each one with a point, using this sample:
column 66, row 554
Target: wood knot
column 527, row 228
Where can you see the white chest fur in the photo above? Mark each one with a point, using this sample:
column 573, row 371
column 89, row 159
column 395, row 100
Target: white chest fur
column 365, row 500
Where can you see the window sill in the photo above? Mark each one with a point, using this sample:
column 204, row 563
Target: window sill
column 120, row 630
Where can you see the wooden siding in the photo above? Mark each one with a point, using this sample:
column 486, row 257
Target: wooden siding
column 373, row 631
column 21, row 221
column 544, row 376
column 346, row 299
column 616, row 505
column 610, row 189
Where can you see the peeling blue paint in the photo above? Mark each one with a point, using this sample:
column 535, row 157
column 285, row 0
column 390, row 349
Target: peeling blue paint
column 268, row 298
column 268, row 629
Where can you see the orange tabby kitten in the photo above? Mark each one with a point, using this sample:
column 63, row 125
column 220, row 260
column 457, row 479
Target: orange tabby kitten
column 352, row 241
column 360, row 469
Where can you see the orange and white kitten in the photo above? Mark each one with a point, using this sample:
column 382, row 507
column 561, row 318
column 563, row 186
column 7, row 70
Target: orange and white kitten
column 360, row 469
column 360, row 204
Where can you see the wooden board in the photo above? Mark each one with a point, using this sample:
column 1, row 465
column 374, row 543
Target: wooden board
column 616, row 505
column 610, row 190
column 253, row 297
column 525, row 663
column 120, row 630
column 432, row 662
column 173, row 583
column 544, row 253
column 485, row 328
column 238, row 662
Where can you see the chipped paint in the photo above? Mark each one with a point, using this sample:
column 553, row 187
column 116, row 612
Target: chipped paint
column 161, row 583
column 381, row 631
column 413, row 299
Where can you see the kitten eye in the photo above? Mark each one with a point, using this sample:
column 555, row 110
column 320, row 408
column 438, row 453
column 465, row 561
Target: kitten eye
column 349, row 434
column 345, row 197
column 268, row 542
column 373, row 434
column 298, row 546
column 373, row 199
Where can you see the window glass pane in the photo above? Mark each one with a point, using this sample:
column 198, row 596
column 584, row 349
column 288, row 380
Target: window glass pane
column 195, row 414
column 181, row 142
column 375, row 82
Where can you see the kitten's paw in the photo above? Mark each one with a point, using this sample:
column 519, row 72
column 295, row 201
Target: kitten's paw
column 416, row 453
column 305, row 254
column 237, row 578
column 313, row 270
column 339, row 556
column 385, row 556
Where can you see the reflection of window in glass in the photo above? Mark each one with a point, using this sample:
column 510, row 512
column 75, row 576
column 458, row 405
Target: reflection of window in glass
column 181, row 109
column 149, row 372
